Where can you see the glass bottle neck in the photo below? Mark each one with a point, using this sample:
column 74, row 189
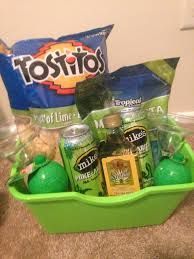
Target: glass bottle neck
column 115, row 133
column 117, row 130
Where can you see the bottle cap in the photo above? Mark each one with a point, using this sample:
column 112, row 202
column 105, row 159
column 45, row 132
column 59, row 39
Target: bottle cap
column 178, row 157
column 39, row 159
column 112, row 121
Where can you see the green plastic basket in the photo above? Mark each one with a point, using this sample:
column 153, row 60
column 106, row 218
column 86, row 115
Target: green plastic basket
column 75, row 212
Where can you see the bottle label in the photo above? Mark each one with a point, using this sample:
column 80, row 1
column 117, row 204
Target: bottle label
column 121, row 174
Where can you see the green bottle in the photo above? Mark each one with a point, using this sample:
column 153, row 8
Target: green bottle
column 118, row 159
column 172, row 171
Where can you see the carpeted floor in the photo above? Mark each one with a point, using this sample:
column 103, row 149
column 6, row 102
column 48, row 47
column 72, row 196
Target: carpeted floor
column 22, row 237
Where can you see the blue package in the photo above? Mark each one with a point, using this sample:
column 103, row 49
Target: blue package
column 40, row 75
column 147, row 85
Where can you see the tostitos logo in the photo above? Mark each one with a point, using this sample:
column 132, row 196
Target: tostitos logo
column 60, row 65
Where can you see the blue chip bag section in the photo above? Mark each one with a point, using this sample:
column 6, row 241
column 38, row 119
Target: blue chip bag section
column 145, row 84
column 14, row 84
column 42, row 73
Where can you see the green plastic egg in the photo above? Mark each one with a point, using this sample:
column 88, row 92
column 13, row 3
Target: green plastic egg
column 50, row 177
column 172, row 171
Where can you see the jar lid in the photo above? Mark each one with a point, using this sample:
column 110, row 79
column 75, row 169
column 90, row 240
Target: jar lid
column 112, row 120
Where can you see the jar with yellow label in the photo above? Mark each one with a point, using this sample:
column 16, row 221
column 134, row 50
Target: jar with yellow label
column 118, row 159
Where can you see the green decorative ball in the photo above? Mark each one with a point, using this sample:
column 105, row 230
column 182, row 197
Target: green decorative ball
column 172, row 171
column 50, row 177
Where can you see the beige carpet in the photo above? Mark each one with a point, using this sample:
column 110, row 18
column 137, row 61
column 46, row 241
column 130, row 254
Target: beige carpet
column 22, row 237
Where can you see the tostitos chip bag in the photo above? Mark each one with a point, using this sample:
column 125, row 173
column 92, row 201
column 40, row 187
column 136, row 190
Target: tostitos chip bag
column 40, row 75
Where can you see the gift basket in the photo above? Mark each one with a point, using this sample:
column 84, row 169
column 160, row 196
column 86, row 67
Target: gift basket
column 93, row 150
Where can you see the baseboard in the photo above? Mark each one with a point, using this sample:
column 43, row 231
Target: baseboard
column 191, row 113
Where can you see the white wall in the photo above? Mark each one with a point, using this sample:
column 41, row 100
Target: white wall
column 144, row 30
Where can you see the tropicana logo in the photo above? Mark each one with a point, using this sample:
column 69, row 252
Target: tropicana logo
column 60, row 65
